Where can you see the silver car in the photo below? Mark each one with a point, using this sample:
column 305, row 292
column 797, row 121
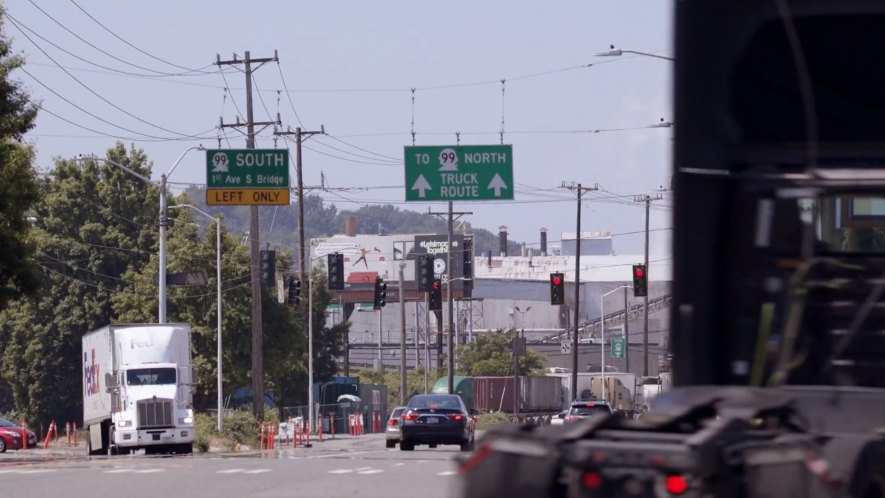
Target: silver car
column 394, row 423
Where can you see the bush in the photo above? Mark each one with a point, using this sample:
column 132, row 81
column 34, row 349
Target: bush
column 204, row 425
column 487, row 420
column 241, row 428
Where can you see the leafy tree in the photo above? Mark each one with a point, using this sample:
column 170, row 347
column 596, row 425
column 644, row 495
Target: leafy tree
column 93, row 223
column 492, row 354
column 18, row 181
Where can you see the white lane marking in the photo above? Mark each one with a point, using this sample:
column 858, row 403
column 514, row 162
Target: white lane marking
column 230, row 471
column 447, row 473
column 370, row 471
column 257, row 471
column 400, row 464
column 343, row 455
column 341, row 471
column 360, row 469
column 27, row 471
column 149, row 471
column 119, row 471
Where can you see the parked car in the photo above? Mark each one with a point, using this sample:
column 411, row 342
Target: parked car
column 559, row 418
column 393, row 426
column 434, row 419
column 11, row 436
column 582, row 409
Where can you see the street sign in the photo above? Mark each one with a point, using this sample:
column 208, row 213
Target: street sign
column 618, row 347
column 565, row 346
column 247, row 177
column 247, row 197
column 459, row 173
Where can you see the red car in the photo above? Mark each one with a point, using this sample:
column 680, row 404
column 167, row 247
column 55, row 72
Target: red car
column 11, row 436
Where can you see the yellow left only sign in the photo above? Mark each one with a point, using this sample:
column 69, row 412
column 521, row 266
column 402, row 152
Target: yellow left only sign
column 247, row 197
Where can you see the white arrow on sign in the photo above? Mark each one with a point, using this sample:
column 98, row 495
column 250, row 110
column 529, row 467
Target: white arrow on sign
column 421, row 185
column 496, row 184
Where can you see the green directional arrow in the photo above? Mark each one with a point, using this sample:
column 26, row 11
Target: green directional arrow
column 459, row 173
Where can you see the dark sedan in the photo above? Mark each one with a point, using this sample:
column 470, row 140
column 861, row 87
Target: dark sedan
column 434, row 419
column 14, row 437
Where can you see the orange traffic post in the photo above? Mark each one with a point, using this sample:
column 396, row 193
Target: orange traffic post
column 48, row 435
column 261, row 437
column 332, row 424
column 75, row 433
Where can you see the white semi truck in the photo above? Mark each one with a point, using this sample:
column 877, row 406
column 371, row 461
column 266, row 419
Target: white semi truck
column 137, row 389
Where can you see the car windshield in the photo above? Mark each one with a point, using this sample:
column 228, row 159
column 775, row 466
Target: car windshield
column 446, row 401
column 397, row 412
column 589, row 409
column 6, row 423
column 150, row 376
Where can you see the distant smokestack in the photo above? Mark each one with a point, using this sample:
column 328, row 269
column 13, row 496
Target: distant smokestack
column 543, row 242
column 350, row 226
column 502, row 240
column 489, row 254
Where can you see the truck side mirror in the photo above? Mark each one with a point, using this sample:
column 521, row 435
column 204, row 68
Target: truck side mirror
column 109, row 382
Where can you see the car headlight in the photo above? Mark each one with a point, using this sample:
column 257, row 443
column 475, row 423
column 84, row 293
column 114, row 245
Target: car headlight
column 125, row 423
column 185, row 421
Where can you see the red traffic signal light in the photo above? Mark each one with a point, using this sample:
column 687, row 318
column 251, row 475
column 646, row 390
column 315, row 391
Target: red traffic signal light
column 640, row 281
column 435, row 297
column 557, row 288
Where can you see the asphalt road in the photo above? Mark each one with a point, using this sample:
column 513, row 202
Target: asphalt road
column 345, row 467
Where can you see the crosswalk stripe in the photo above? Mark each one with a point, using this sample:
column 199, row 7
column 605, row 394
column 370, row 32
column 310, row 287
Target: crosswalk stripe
column 341, row 471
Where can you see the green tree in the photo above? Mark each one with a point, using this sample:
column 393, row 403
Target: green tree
column 93, row 222
column 18, row 181
column 492, row 354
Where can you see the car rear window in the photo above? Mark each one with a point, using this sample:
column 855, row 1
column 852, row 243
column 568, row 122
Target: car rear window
column 590, row 410
column 397, row 412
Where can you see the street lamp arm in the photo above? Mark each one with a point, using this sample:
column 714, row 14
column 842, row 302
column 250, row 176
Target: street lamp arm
column 124, row 168
column 616, row 52
column 195, row 208
column 177, row 161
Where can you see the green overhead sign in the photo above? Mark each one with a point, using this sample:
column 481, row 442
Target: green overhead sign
column 247, row 168
column 459, row 173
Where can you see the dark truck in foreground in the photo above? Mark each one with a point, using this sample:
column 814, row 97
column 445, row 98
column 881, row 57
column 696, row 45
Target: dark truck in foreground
column 778, row 317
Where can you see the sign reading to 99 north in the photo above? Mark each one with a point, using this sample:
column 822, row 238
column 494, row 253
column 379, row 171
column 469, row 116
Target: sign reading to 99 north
column 245, row 177
column 459, row 173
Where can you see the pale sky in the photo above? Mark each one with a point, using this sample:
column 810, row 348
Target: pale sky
column 351, row 67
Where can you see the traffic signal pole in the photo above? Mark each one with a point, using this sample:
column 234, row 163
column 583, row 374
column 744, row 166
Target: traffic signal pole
column 647, row 200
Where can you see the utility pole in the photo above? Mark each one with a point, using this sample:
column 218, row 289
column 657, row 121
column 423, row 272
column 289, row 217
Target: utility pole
column 254, row 239
column 299, row 135
column 580, row 190
column 647, row 200
column 450, row 297
column 402, row 336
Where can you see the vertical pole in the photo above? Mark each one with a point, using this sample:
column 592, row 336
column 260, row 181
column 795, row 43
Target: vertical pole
column 577, row 300
column 645, row 299
column 380, row 340
column 161, row 317
column 402, row 336
column 218, row 280
column 449, row 295
column 516, row 372
column 310, row 353
column 301, row 261
column 626, row 332
column 426, row 339
column 254, row 240
column 602, row 343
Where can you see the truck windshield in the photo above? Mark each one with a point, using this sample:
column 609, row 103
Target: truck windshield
column 150, row 376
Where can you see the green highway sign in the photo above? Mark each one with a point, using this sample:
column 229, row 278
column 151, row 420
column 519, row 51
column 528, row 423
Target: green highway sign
column 247, row 168
column 618, row 347
column 459, row 173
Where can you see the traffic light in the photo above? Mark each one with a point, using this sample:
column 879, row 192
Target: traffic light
column 380, row 294
column 640, row 281
column 436, row 295
column 336, row 271
column 557, row 288
column 294, row 292
column 425, row 273
column 268, row 260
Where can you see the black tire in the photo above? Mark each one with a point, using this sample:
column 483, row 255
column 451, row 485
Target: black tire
column 390, row 443
column 2, row 445
column 467, row 445
column 406, row 446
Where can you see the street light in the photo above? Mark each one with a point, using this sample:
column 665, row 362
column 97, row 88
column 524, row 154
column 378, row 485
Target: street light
column 602, row 330
column 161, row 318
column 217, row 221
column 617, row 52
